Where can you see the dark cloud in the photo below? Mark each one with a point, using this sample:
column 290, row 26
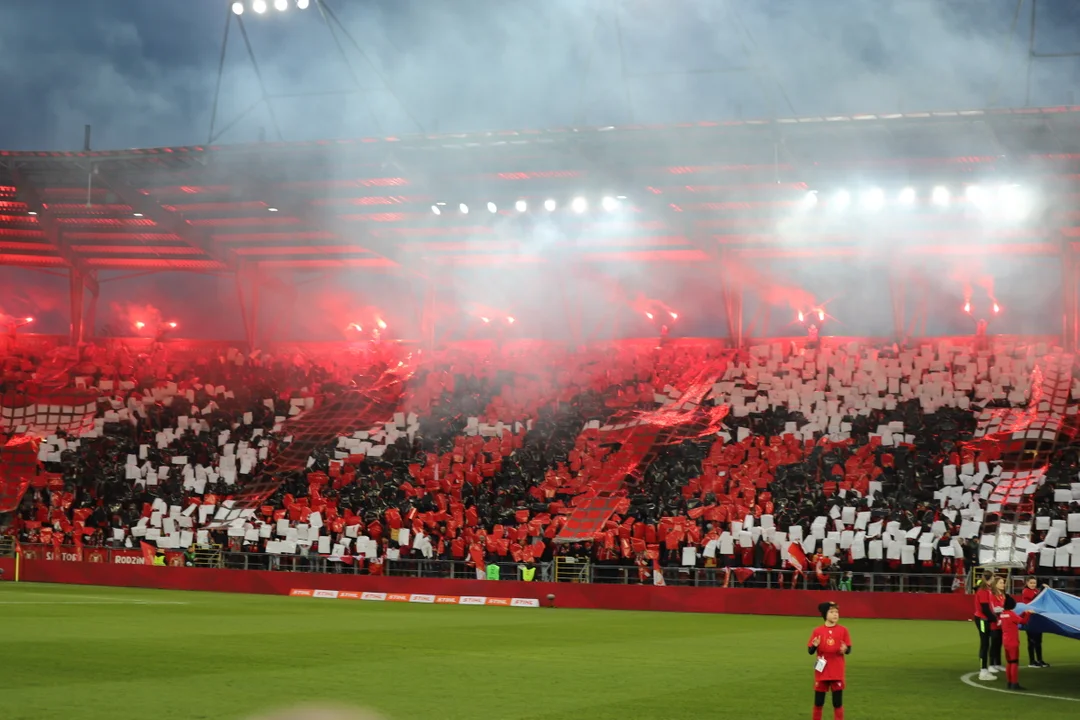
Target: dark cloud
column 143, row 72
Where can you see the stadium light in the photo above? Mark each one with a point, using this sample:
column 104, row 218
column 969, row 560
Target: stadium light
column 842, row 199
column 435, row 209
column 172, row 325
column 380, row 323
column 487, row 320
column 649, row 315
column 521, row 206
column 674, row 316
column 549, row 205
column 139, row 324
column 281, row 5
column 259, row 6
column 976, row 195
column 810, row 200
column 1013, row 202
column 271, row 209
column 238, row 8
column 907, row 196
column 609, row 204
column 492, row 208
column 302, row 4
column 873, row 199
column 940, row 196
column 463, row 208
column 32, row 212
column 137, row 215
column 579, row 205
column 510, row 319
column 29, row 320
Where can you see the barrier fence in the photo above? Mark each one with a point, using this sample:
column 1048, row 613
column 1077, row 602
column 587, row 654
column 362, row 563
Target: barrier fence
column 583, row 571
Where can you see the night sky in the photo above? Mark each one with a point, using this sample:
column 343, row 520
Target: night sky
column 143, row 72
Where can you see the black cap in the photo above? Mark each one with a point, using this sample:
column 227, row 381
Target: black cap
column 1010, row 602
column 825, row 607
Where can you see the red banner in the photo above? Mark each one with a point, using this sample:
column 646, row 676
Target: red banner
column 70, row 553
column 900, row 606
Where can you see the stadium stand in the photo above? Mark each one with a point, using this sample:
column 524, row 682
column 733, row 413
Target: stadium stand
column 818, row 458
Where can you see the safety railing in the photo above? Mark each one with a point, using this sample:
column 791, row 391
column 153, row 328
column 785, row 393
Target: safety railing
column 583, row 570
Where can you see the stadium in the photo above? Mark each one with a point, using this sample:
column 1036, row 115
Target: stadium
column 601, row 420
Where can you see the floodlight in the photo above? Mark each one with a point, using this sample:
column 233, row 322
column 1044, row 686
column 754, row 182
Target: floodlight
column 172, row 325
column 302, row 4
column 137, row 215
column 492, row 208
column 435, row 209
column 842, row 199
column 380, row 323
column 907, row 196
column 810, row 199
column 579, row 205
column 259, row 6
column 610, row 204
column 1013, row 202
column 463, row 208
column 873, row 199
column 549, row 205
column 238, row 8
column 976, row 195
column 29, row 320
column 281, row 5
column 510, row 319
column 521, row 206
column 272, row 209
column 940, row 196
column 140, row 324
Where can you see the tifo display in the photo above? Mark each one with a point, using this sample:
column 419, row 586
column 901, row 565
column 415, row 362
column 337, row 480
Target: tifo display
column 687, row 463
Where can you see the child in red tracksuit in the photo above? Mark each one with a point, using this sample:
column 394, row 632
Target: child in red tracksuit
column 1010, row 641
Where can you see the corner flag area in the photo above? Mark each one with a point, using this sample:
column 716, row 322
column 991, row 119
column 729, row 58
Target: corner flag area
column 184, row 655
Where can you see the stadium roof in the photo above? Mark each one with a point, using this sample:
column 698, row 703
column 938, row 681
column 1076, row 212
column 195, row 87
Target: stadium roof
column 687, row 191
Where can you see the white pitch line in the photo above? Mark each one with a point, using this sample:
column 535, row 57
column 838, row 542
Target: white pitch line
column 967, row 680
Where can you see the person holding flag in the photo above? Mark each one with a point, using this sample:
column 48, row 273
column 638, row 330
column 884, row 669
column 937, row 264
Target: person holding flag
column 831, row 643
column 798, row 562
column 1011, row 621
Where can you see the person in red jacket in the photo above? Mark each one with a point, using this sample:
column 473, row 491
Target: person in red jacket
column 831, row 643
column 1034, row 639
column 1010, row 641
column 983, row 616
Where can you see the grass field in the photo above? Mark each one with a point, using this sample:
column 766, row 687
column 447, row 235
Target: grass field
column 88, row 653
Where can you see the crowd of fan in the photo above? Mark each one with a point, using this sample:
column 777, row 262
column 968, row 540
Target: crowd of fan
column 841, row 450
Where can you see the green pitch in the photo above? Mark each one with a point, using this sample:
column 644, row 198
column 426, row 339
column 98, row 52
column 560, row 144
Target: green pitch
column 89, row 653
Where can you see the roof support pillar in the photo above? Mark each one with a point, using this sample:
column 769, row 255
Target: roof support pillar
column 427, row 316
column 1070, row 279
column 247, row 291
column 77, row 292
column 897, row 294
column 732, row 294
